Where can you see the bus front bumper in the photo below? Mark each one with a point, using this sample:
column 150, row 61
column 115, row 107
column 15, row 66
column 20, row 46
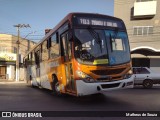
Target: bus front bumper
column 84, row 88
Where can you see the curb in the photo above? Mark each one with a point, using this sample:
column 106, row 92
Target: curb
column 12, row 82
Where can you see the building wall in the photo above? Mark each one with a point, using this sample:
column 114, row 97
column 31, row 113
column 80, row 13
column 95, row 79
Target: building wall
column 5, row 43
column 8, row 44
column 8, row 50
column 124, row 10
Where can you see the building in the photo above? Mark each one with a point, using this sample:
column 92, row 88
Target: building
column 142, row 19
column 8, row 52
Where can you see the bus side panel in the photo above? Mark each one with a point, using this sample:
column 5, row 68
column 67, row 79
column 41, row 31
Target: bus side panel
column 44, row 75
column 33, row 75
column 28, row 73
column 62, row 76
column 56, row 68
column 50, row 68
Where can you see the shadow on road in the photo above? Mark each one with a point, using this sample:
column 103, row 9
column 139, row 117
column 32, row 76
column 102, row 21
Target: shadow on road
column 98, row 101
column 139, row 87
column 23, row 97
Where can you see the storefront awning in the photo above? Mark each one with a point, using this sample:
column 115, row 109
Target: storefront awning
column 146, row 51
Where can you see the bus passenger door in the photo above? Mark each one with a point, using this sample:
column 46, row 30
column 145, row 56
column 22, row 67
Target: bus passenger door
column 66, row 52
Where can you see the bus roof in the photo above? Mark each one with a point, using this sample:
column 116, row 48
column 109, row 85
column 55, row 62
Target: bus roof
column 69, row 18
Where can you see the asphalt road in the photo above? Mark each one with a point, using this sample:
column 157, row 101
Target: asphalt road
column 20, row 97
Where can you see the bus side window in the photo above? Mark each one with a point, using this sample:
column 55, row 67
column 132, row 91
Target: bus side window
column 44, row 51
column 33, row 58
column 37, row 58
column 29, row 59
column 26, row 62
column 49, row 47
column 49, row 43
column 65, row 46
column 54, row 50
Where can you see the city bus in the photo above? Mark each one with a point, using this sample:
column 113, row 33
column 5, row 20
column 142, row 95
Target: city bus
column 84, row 54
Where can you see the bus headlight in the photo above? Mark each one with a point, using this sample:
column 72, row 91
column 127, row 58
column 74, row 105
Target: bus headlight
column 84, row 76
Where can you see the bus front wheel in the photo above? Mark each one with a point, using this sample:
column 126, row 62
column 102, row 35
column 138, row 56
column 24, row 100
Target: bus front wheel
column 55, row 86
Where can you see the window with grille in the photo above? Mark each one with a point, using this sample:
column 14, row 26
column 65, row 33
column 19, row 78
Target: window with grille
column 142, row 30
column 144, row 0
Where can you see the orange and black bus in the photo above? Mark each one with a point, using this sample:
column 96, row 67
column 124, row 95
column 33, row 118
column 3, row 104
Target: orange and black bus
column 84, row 54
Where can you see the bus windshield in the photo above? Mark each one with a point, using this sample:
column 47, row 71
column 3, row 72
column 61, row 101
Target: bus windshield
column 99, row 47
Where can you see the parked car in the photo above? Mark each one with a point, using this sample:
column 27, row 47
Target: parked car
column 146, row 77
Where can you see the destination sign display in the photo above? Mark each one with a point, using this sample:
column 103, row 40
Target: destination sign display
column 98, row 22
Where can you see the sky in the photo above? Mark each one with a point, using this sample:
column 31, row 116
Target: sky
column 43, row 14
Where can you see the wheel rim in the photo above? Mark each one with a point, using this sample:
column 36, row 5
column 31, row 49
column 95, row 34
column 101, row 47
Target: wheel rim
column 147, row 84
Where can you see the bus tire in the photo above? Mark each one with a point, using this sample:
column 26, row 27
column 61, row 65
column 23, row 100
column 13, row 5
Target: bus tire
column 55, row 86
column 147, row 83
column 30, row 81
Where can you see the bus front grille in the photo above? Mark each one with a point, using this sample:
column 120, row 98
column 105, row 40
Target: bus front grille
column 109, row 79
column 110, row 85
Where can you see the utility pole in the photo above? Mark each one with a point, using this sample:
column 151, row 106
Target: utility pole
column 18, row 43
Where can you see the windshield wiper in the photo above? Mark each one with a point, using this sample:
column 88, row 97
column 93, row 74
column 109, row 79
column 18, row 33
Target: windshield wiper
column 96, row 36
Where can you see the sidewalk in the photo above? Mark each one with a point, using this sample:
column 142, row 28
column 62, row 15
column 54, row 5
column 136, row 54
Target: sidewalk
column 4, row 81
